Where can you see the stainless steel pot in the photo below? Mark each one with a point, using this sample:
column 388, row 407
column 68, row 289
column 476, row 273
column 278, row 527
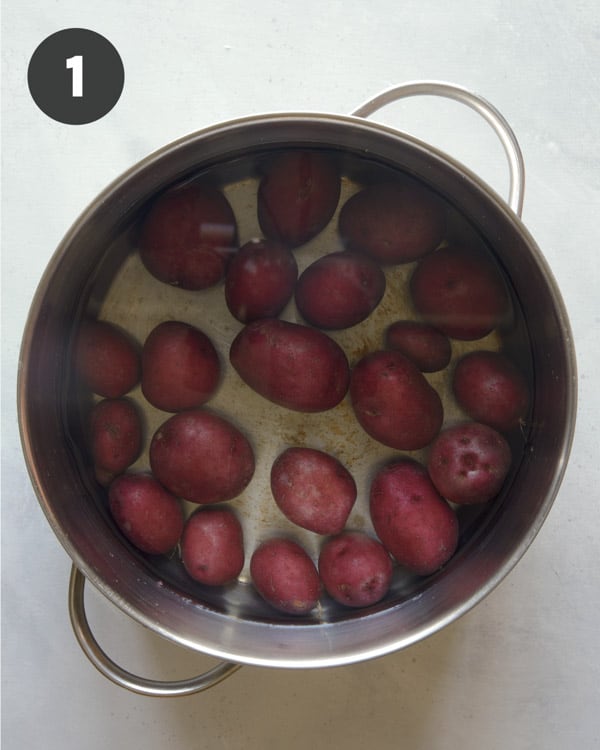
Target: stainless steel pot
column 236, row 629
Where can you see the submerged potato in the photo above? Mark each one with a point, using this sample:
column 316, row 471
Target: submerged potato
column 393, row 401
column 469, row 462
column 115, row 436
column 491, row 389
column 423, row 344
column 313, row 489
column 393, row 222
column 297, row 196
column 285, row 576
column 212, row 546
column 291, row 365
column 260, row 280
column 106, row 359
column 180, row 367
column 414, row 523
column 339, row 290
column 201, row 457
column 355, row 569
column 460, row 292
column 147, row 514
column 188, row 236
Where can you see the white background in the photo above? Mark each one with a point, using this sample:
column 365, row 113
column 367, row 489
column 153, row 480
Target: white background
column 522, row 670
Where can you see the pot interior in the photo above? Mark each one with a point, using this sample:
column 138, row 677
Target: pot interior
column 97, row 272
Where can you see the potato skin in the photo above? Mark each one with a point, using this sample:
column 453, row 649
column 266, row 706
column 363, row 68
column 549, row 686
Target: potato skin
column 393, row 402
column 187, row 237
column 260, row 280
column 355, row 569
column 201, row 457
column 180, row 367
column 491, row 389
column 423, row 344
column 212, row 546
column 460, row 292
column 292, row 365
column 147, row 514
column 106, row 359
column 414, row 523
column 469, row 462
column 115, row 436
column 394, row 223
column 313, row 489
column 285, row 576
column 339, row 290
column 297, row 196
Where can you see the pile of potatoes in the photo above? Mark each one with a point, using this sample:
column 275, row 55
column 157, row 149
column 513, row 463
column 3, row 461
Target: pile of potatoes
column 189, row 239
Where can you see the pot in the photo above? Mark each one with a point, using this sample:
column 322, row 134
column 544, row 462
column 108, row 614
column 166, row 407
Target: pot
column 94, row 271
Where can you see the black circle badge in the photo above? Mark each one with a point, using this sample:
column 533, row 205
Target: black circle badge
column 75, row 76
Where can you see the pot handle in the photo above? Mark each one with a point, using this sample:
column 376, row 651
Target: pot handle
column 481, row 106
column 120, row 676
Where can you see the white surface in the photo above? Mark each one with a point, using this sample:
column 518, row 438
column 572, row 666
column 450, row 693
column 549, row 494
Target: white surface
column 520, row 671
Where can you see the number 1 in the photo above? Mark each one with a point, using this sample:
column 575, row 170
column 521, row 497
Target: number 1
column 76, row 65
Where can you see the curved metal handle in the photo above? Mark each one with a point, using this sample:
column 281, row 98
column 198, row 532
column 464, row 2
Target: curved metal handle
column 481, row 106
column 120, row 676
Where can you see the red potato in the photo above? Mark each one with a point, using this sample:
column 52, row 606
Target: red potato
column 393, row 401
column 423, row 344
column 355, row 569
column 468, row 463
column 291, row 365
column 460, row 292
column 285, row 576
column 201, row 457
column 393, row 222
column 106, row 359
column 212, row 546
column 313, row 489
column 339, row 290
column 188, row 236
column 180, row 367
column 491, row 389
column 297, row 196
column 260, row 280
column 115, row 436
column 147, row 514
column 414, row 523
